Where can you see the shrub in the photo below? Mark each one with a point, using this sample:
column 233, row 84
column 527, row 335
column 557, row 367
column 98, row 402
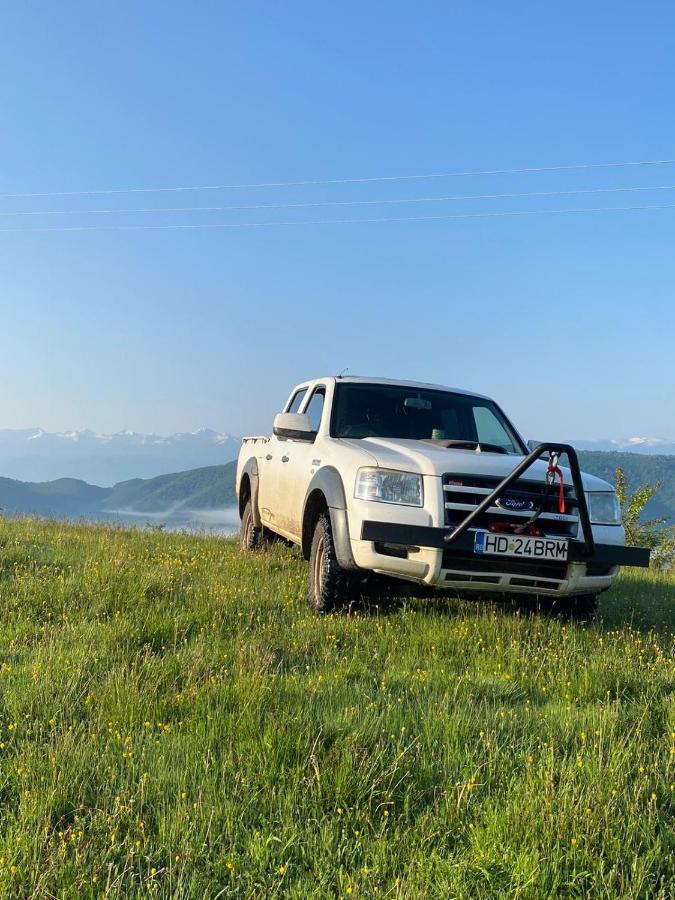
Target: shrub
column 652, row 533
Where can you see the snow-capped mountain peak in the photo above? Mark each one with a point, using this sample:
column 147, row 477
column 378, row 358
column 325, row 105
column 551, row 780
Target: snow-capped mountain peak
column 35, row 454
column 644, row 441
column 635, row 444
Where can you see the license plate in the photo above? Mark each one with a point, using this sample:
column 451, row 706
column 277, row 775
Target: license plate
column 515, row 545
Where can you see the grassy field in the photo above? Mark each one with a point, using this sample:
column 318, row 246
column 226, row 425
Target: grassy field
column 175, row 723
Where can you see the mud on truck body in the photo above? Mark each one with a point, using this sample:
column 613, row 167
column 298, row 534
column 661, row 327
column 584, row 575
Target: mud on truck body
column 429, row 484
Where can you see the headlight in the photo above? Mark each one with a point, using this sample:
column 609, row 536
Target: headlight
column 603, row 508
column 389, row 486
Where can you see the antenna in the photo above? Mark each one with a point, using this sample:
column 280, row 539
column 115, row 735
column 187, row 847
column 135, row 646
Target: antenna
column 343, row 372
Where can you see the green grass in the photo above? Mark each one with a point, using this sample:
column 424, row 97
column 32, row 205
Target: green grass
column 173, row 721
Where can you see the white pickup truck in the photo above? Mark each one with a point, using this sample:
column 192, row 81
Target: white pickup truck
column 429, row 484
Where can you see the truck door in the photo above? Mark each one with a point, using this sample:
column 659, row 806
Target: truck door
column 272, row 461
column 297, row 465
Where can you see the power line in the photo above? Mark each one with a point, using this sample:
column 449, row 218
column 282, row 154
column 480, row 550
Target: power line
column 337, row 181
column 229, row 225
column 333, row 203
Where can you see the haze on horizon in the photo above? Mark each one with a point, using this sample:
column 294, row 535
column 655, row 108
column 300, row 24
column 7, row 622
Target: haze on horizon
column 213, row 435
column 566, row 320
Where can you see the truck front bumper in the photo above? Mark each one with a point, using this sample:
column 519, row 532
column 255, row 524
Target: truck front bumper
column 423, row 554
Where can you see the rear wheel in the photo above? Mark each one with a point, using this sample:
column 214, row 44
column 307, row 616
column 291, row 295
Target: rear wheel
column 328, row 587
column 250, row 534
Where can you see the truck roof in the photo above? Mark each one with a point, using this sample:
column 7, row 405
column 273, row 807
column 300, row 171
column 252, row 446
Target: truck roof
column 402, row 382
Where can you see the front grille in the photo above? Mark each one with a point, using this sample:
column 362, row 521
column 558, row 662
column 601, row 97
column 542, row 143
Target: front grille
column 463, row 493
column 469, row 562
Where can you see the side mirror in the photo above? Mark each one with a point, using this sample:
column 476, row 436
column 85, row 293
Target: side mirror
column 532, row 445
column 294, row 427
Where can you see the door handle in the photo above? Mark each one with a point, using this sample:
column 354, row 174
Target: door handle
column 284, row 459
column 269, row 456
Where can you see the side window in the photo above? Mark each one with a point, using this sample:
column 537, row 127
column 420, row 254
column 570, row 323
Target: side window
column 315, row 407
column 490, row 430
column 296, row 402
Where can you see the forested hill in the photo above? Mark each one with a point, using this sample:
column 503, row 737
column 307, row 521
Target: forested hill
column 212, row 487
column 640, row 469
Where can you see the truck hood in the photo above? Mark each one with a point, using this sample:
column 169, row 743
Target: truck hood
column 427, row 459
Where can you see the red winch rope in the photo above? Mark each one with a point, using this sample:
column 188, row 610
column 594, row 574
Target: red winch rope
column 552, row 471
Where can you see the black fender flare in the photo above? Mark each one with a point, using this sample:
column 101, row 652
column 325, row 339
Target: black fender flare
column 250, row 470
column 328, row 482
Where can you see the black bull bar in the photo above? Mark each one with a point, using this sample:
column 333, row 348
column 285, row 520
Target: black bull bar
column 460, row 541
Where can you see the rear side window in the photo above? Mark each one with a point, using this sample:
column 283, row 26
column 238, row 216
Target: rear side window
column 296, row 402
column 315, row 407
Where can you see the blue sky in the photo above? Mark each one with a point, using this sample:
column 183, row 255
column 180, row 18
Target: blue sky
column 568, row 320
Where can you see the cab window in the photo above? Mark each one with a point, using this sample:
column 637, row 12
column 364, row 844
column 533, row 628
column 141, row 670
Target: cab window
column 296, row 402
column 315, row 407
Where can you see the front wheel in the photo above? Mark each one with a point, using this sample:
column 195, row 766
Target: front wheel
column 328, row 587
column 580, row 606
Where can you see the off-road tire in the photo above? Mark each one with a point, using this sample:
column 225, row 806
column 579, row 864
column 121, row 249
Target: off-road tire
column 328, row 587
column 250, row 534
column 582, row 607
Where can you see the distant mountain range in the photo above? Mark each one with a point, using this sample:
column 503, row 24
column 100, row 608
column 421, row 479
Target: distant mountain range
column 205, row 496
column 32, row 454
column 648, row 445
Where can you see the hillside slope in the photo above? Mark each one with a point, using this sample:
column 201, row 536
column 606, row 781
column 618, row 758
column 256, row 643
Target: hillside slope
column 211, row 487
column 177, row 724
column 208, row 488
column 63, row 497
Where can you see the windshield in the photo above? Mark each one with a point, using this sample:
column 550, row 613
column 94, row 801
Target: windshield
column 421, row 414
